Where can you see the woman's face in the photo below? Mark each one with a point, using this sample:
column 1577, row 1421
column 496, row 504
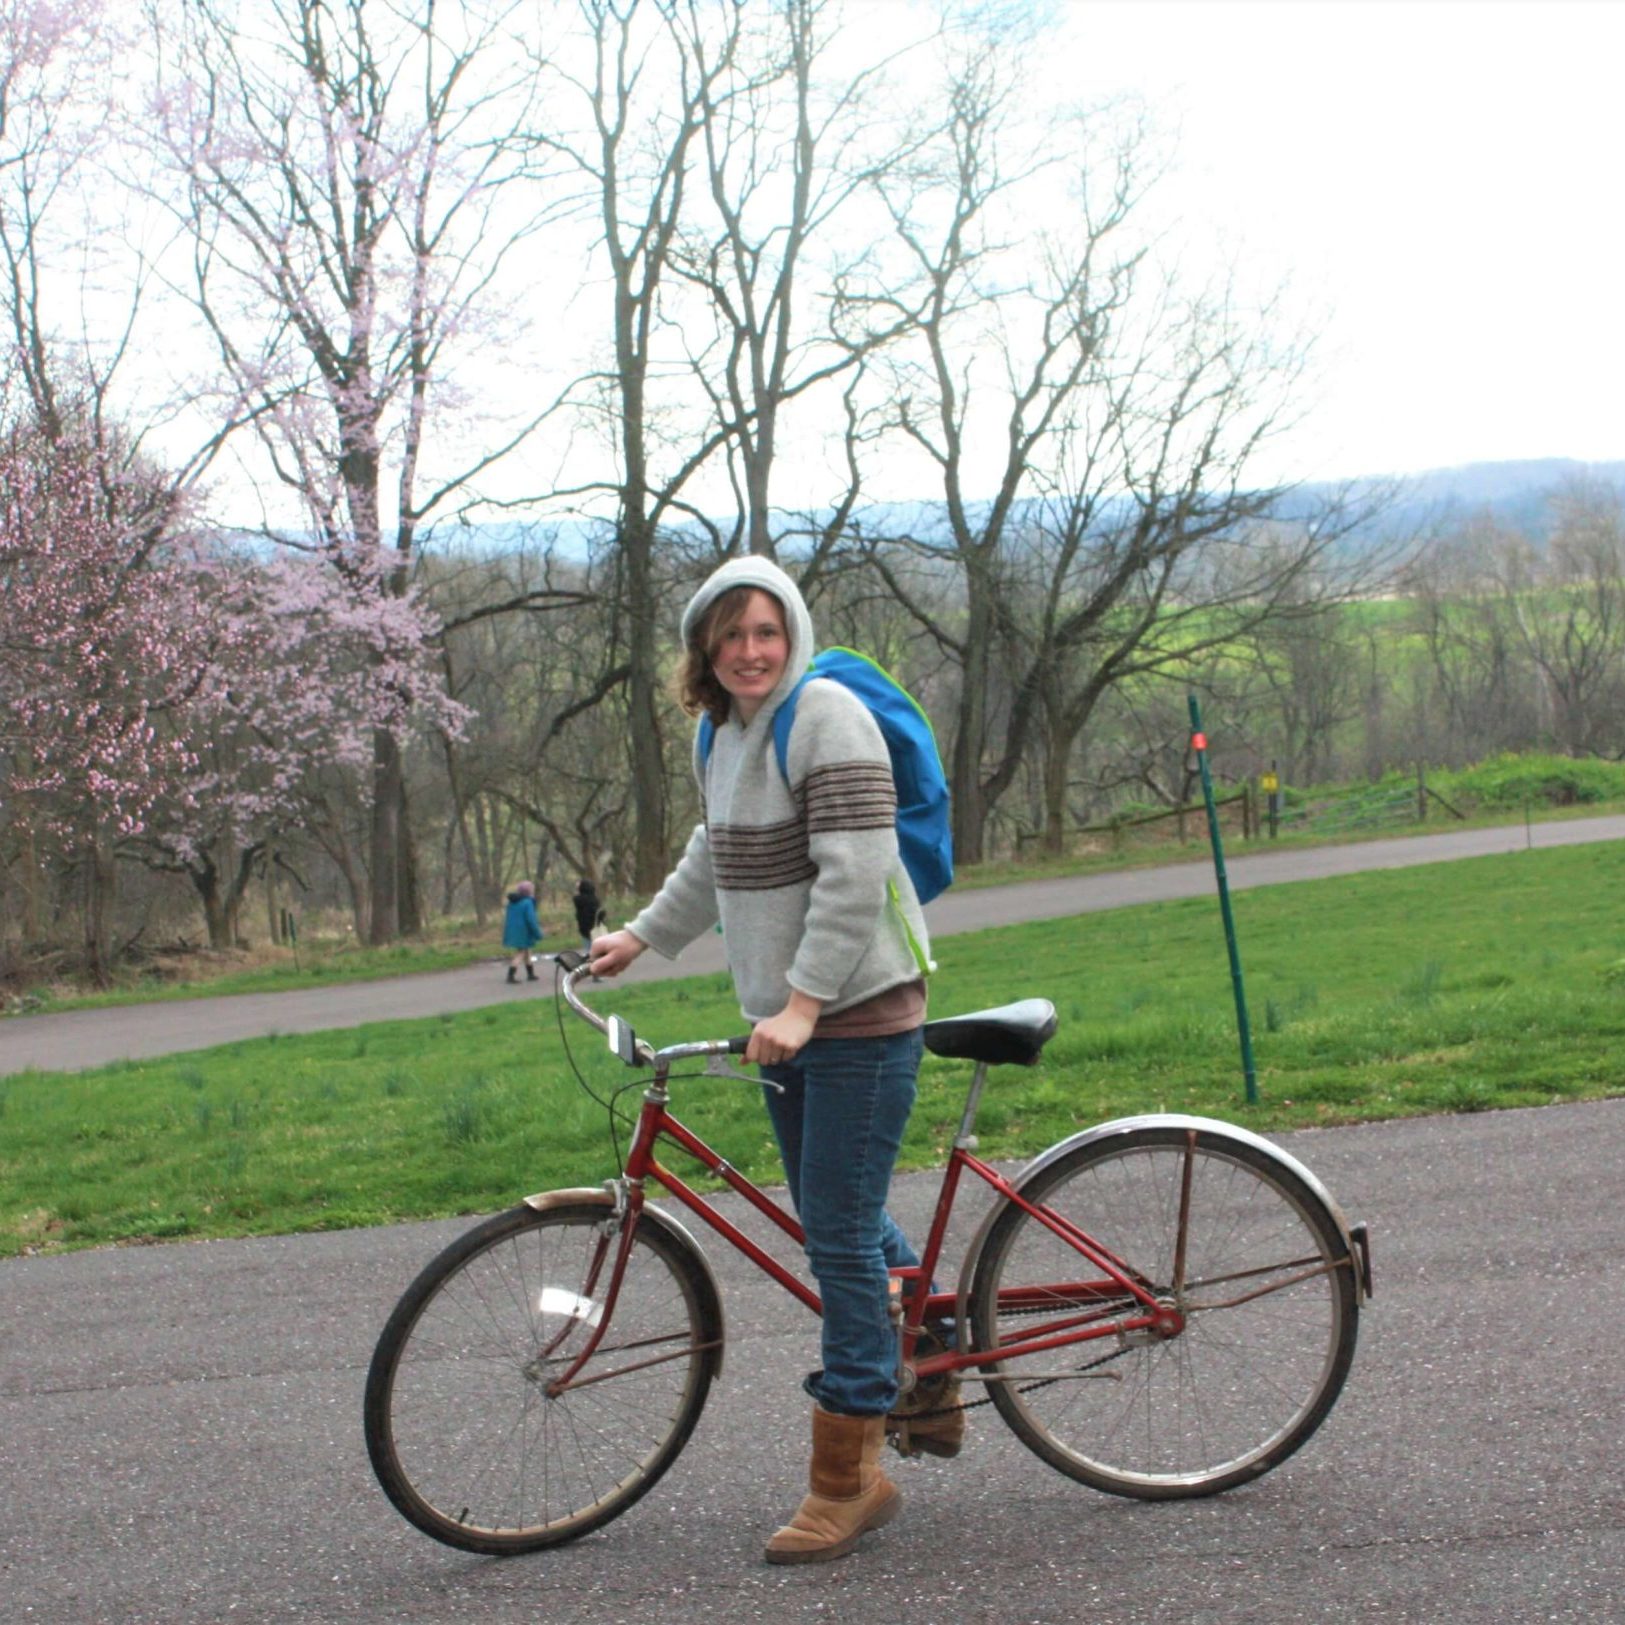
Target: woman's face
column 749, row 657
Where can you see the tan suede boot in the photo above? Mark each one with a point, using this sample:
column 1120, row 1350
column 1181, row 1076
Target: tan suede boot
column 848, row 1494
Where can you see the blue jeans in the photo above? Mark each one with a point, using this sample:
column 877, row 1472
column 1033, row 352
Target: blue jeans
column 839, row 1124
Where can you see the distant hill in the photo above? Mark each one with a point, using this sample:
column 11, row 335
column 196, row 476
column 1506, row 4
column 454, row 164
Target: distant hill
column 1515, row 495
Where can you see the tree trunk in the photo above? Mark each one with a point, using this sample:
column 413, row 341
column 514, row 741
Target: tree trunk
column 206, row 882
column 273, row 901
column 968, row 813
column 220, row 913
column 460, row 811
column 1057, row 760
column 485, row 884
column 448, row 869
column 223, row 901
column 384, row 857
column 650, row 855
column 31, row 888
column 101, row 888
column 408, row 898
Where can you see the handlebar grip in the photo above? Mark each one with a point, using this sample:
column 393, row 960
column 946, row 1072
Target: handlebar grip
column 571, row 959
column 737, row 1046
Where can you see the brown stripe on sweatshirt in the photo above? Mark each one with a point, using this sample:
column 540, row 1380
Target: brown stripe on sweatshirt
column 849, row 795
column 746, row 857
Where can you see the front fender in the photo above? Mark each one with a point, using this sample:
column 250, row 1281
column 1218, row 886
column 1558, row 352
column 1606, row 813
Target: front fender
column 1355, row 1247
column 605, row 1197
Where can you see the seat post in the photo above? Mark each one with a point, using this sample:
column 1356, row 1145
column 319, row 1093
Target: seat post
column 965, row 1140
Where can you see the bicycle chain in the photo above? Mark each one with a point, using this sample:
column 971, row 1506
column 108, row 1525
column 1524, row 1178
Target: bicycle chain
column 1025, row 1388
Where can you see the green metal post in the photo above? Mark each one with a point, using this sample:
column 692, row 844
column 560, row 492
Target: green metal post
column 1199, row 745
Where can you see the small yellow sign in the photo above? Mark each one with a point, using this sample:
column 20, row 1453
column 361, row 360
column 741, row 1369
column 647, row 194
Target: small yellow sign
column 1268, row 783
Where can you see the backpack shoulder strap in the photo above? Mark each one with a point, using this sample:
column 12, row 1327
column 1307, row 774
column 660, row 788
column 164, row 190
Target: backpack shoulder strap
column 783, row 720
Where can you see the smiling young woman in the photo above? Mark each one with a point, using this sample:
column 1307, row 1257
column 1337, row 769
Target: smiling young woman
column 800, row 866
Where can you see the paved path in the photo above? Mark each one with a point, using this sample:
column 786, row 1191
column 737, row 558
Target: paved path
column 85, row 1038
column 180, row 1441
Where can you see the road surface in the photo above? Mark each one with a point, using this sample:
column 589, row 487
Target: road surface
column 182, row 1445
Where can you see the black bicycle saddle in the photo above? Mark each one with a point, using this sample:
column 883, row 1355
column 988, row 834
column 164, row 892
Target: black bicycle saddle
column 1013, row 1032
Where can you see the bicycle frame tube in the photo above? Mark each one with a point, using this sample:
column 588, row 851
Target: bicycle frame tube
column 1084, row 1323
column 654, row 1124
column 1116, row 1301
column 1119, row 1281
column 667, row 1127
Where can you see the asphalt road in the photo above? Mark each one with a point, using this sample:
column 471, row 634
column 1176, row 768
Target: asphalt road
column 86, row 1038
column 180, row 1440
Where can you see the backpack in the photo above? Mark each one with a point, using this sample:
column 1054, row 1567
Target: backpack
column 924, row 841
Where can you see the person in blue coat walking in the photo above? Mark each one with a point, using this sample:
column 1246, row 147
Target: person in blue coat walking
column 521, row 930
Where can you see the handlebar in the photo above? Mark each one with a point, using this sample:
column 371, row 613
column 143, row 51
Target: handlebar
column 631, row 1049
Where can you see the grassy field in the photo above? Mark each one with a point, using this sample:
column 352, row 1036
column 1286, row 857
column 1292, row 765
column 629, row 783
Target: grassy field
column 1459, row 987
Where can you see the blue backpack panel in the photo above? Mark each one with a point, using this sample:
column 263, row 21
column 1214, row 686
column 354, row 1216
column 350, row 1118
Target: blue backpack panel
column 924, row 840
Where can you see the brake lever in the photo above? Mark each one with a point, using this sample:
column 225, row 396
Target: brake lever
column 716, row 1066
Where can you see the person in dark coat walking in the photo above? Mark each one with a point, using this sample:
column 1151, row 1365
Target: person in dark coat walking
column 589, row 913
column 521, row 930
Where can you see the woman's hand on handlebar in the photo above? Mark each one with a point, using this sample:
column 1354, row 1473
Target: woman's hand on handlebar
column 781, row 1037
column 613, row 953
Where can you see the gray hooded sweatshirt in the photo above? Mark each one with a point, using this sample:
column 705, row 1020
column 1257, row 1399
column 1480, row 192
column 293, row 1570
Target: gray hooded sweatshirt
column 805, row 876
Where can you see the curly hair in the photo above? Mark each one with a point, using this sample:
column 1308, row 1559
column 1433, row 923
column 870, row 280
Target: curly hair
column 694, row 684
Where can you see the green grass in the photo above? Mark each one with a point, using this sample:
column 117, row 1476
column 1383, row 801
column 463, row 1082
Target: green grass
column 1465, row 986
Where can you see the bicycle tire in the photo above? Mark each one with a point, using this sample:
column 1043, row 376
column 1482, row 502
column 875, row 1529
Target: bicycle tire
column 1243, row 1385
column 461, row 1433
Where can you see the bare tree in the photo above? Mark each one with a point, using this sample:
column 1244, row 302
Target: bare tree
column 549, row 686
column 1309, row 665
column 1568, row 611
column 1475, row 675
column 346, row 170
column 1525, row 635
column 1115, row 421
column 637, row 110
column 790, row 145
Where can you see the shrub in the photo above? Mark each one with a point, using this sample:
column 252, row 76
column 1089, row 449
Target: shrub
column 1557, row 781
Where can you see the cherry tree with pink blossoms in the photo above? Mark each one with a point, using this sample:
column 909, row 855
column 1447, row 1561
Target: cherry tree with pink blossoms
column 339, row 173
column 102, row 646
column 309, row 662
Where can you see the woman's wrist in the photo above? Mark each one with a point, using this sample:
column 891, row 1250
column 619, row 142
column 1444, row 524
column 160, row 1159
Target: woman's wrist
column 803, row 1005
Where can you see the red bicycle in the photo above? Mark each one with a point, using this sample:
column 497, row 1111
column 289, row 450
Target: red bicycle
column 1161, row 1306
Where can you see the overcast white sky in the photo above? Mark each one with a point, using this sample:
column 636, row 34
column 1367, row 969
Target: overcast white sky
column 1442, row 178
column 1439, row 182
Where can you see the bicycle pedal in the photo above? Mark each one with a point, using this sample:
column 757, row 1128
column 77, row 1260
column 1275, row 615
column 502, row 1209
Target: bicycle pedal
column 898, row 1439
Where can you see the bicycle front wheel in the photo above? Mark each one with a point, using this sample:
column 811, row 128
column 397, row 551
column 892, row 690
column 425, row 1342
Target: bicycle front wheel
column 464, row 1433
column 1250, row 1258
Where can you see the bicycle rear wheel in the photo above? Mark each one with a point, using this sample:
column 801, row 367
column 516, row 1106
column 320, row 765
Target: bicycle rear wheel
column 462, row 1433
column 1268, row 1303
